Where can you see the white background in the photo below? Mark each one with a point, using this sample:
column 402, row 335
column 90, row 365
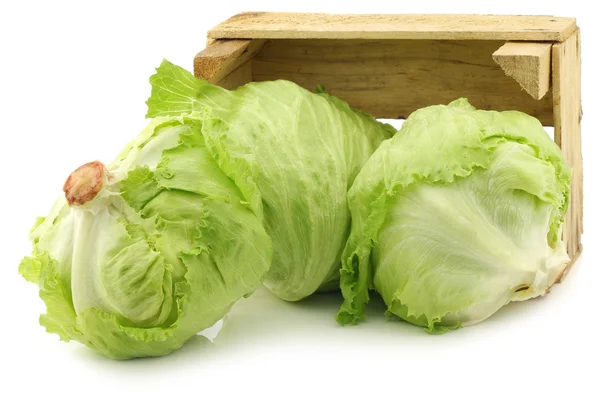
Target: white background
column 74, row 79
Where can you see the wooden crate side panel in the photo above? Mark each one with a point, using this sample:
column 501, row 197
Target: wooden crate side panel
column 566, row 76
column 269, row 25
column 392, row 78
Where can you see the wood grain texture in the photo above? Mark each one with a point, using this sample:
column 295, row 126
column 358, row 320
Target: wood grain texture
column 528, row 63
column 268, row 25
column 392, row 78
column 222, row 57
column 566, row 77
column 238, row 77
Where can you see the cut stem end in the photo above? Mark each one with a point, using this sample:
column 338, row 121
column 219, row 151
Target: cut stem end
column 84, row 183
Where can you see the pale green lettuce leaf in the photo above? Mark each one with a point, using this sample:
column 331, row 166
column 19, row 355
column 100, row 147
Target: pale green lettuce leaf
column 293, row 154
column 161, row 253
column 455, row 216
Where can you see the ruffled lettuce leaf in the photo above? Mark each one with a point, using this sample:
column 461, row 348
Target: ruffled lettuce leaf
column 293, row 154
column 161, row 253
column 455, row 216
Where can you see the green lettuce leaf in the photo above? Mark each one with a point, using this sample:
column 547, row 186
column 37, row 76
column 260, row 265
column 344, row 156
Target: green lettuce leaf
column 293, row 154
column 160, row 253
column 455, row 216
column 220, row 188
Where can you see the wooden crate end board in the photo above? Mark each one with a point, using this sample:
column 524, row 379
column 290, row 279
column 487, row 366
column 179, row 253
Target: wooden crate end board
column 566, row 83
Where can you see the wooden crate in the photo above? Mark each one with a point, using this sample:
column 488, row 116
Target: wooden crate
column 391, row 65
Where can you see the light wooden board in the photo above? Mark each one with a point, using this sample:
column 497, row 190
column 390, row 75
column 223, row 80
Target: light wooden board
column 566, row 76
column 528, row 63
column 268, row 25
column 238, row 77
column 222, row 57
column 392, row 78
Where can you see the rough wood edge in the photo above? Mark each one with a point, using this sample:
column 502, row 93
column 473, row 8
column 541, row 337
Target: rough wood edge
column 528, row 63
column 278, row 25
column 566, row 83
column 223, row 57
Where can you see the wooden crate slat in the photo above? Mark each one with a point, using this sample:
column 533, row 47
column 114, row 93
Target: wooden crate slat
column 271, row 25
column 391, row 79
column 566, row 76
column 223, row 61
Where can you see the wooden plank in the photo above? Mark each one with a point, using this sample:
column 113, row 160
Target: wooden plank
column 270, row 25
column 566, row 76
column 218, row 58
column 223, row 57
column 392, row 78
column 528, row 63
column 237, row 78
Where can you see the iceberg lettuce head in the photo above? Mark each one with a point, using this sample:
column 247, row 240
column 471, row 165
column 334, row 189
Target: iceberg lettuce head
column 455, row 216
